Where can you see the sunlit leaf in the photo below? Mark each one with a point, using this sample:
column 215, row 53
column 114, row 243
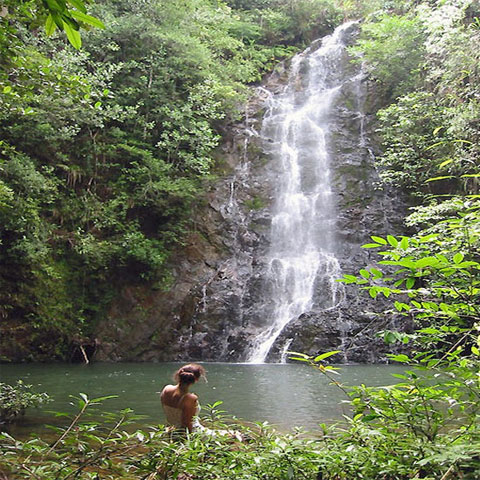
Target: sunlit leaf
column 377, row 273
column 95, row 22
column 426, row 262
column 379, row 240
column 371, row 245
column 78, row 4
column 445, row 163
column 325, row 355
column 101, row 399
column 436, row 179
column 399, row 358
column 404, row 243
column 365, row 273
column 73, row 36
column 392, row 240
column 50, row 25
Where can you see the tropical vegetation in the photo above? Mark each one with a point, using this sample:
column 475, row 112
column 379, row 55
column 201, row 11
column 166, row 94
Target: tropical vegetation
column 15, row 399
column 106, row 149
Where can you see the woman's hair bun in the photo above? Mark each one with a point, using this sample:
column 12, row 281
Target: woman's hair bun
column 189, row 373
column 186, row 377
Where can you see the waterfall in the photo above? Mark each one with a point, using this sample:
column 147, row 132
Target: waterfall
column 296, row 133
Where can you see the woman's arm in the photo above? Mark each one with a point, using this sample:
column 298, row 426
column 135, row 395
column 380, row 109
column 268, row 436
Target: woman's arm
column 189, row 410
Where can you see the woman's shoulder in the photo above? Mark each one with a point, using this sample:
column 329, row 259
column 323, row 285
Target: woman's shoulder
column 190, row 398
column 167, row 389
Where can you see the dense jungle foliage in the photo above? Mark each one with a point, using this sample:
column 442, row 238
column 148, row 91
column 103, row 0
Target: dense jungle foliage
column 105, row 150
column 100, row 169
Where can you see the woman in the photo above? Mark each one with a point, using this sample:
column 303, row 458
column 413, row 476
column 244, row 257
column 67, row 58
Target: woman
column 181, row 406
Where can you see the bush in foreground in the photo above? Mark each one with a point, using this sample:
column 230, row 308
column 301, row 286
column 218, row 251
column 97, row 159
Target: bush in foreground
column 381, row 444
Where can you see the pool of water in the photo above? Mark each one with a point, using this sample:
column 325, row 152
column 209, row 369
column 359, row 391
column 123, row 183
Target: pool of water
column 286, row 395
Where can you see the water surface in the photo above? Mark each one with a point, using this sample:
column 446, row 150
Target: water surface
column 286, row 395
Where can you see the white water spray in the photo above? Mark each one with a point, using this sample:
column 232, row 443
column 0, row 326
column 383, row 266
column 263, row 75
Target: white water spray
column 302, row 266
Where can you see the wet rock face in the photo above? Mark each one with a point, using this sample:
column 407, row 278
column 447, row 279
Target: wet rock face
column 215, row 276
column 216, row 304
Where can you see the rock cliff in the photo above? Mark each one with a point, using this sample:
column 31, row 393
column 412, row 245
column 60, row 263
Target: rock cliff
column 213, row 308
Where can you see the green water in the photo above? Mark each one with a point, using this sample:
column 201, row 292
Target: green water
column 284, row 395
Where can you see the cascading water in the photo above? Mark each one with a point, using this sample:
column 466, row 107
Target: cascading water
column 256, row 278
column 302, row 266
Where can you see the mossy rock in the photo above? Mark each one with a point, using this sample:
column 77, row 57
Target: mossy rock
column 255, row 203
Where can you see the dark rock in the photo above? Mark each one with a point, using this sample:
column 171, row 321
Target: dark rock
column 217, row 302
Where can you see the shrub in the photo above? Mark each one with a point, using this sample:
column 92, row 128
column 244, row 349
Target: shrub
column 15, row 399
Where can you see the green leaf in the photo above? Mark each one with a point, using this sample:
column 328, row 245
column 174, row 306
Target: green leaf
column 290, row 472
column 379, row 240
column 95, row 22
column 389, row 337
column 73, row 36
column 299, row 354
column 78, row 4
column 399, row 358
column 401, row 306
column 299, row 359
column 428, row 238
column 325, row 355
column 101, row 399
column 348, row 279
column 458, row 258
column 426, row 262
column 377, row 273
column 407, row 262
column 445, row 163
column 430, row 331
column 371, row 245
column 331, row 369
column 410, row 283
column 365, row 273
column 389, row 262
column 373, row 292
column 55, row 6
column 50, row 25
column 404, row 243
column 392, row 240
column 386, row 291
column 71, row 21
column 436, row 179
column 7, row 89
column 435, row 145
column 58, row 20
